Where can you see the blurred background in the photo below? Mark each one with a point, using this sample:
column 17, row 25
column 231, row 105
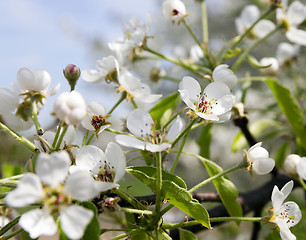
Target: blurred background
column 51, row 34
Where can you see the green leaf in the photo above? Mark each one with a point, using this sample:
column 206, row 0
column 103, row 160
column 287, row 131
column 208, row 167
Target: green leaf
column 290, row 108
column 8, row 226
column 282, row 153
column 226, row 189
column 92, row 231
column 260, row 130
column 163, row 110
column 174, row 190
column 204, row 140
column 146, row 171
column 187, row 235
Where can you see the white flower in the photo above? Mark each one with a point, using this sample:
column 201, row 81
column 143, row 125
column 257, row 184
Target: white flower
column 287, row 214
column 174, row 10
column 225, row 75
column 70, row 107
column 54, row 191
column 270, row 65
column 213, row 104
column 135, row 88
column 249, row 15
column 259, row 161
column 292, row 17
column 141, row 124
column 107, row 169
column 286, row 53
column 95, row 119
column 295, row 166
column 137, row 31
column 105, row 69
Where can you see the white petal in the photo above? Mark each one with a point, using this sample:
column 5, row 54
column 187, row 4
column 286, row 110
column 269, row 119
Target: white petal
column 224, row 117
column 157, row 147
column 191, row 88
column 54, row 90
column 277, row 198
column 92, row 76
column 115, row 157
column 294, row 213
column 26, row 79
column 263, row 27
column 81, row 186
column 139, row 123
column 225, row 75
column 296, row 13
column 88, row 157
column 296, row 36
column 28, row 191
column 263, row 165
column 223, row 104
column 175, row 129
column 42, row 80
column 287, row 188
column 216, row 90
column 249, row 15
column 210, row 117
column 105, row 186
column 148, row 98
column 129, row 141
column 285, row 52
column 74, row 220
column 16, row 123
column 284, row 230
column 8, row 101
column 258, row 152
column 301, row 168
column 38, row 222
column 52, row 169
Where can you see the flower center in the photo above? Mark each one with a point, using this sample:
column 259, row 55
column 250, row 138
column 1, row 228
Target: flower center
column 205, row 106
column 284, row 214
column 97, row 121
column 106, row 173
column 175, row 12
column 55, row 198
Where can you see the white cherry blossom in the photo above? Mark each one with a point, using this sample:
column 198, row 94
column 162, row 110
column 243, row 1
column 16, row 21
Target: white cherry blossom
column 95, row 119
column 174, row 10
column 70, row 107
column 286, row 53
column 107, row 169
column 259, row 161
column 106, row 67
column 135, row 89
column 213, row 104
column 292, row 16
column 141, row 124
column 225, row 75
column 249, row 15
column 54, row 191
column 284, row 215
column 295, row 166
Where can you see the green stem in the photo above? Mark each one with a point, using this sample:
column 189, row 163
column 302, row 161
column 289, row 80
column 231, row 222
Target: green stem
column 173, row 117
column 85, row 138
column 247, row 51
column 123, row 96
column 204, row 22
column 34, row 117
column 246, row 33
column 132, row 232
column 24, row 141
column 302, row 183
column 134, row 158
column 61, row 137
column 187, row 129
column 131, row 210
column 60, row 124
column 179, row 151
column 158, row 183
column 170, row 78
column 201, row 184
column 90, row 138
column 136, row 204
column 118, row 132
column 134, row 103
column 177, row 62
column 12, row 234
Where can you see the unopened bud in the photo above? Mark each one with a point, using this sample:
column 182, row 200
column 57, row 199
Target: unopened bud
column 72, row 74
column 290, row 164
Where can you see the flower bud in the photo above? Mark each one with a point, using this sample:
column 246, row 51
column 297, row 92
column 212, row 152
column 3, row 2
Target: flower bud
column 290, row 164
column 72, row 74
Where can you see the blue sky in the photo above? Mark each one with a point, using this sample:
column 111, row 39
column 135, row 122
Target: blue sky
column 51, row 34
